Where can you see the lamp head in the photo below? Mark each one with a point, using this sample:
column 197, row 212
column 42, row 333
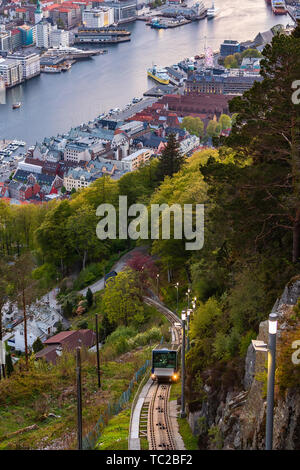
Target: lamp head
column 273, row 317
column 183, row 315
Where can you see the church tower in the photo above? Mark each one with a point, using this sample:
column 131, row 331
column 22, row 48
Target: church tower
column 38, row 14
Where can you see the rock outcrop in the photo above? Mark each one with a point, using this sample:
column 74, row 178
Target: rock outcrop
column 238, row 420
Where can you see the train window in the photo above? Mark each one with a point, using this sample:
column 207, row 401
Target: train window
column 165, row 360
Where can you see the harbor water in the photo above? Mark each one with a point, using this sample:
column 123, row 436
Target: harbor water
column 53, row 103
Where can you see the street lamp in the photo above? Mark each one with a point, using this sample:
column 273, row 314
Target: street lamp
column 157, row 284
column 273, row 317
column 176, row 286
column 183, row 318
column 270, row 348
column 188, row 294
column 188, row 329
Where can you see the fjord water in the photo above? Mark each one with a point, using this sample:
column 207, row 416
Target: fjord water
column 53, row 103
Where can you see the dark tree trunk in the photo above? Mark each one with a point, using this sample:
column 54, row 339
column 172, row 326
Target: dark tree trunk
column 296, row 238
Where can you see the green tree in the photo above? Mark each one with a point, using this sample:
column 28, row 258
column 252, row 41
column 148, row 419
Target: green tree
column 89, row 298
column 194, row 126
column 251, row 53
column 225, row 121
column 231, row 62
column 53, row 235
column 81, row 233
column 37, row 345
column 63, row 190
column 9, row 364
column 171, row 159
column 272, row 142
column 122, row 299
column 211, row 128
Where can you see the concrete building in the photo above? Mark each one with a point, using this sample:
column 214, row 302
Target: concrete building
column 59, row 37
column 98, row 17
column 5, row 41
column 133, row 161
column 30, row 63
column 66, row 16
column 11, row 71
column 16, row 39
column 77, row 178
column 83, row 149
column 124, row 12
column 229, row 47
column 43, row 31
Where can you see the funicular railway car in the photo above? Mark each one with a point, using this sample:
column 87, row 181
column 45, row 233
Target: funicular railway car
column 165, row 364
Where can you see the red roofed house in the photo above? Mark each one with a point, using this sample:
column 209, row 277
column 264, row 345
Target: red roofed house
column 66, row 341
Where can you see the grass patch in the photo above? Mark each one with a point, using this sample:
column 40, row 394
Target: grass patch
column 45, row 395
column 190, row 441
column 115, row 435
column 175, row 391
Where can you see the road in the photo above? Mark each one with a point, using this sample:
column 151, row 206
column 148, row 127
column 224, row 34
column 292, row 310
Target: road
column 118, row 266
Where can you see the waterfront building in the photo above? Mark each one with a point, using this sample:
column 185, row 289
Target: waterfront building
column 124, row 12
column 11, row 72
column 98, row 17
column 30, row 63
column 196, row 11
column 43, row 30
column 59, row 38
column 2, row 91
column 229, row 47
column 231, row 82
column 5, row 41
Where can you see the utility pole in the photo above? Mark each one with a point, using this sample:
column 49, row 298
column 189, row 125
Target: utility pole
column 157, row 284
column 79, row 399
column 97, row 348
column 182, row 413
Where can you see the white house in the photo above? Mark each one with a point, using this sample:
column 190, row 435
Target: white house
column 42, row 321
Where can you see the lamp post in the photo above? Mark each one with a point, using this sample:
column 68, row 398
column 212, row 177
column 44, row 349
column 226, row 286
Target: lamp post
column 157, row 284
column 271, row 379
column 270, row 349
column 188, row 294
column 188, row 312
column 176, row 286
column 182, row 413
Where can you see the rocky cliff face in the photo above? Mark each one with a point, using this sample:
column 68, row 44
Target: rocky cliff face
column 237, row 420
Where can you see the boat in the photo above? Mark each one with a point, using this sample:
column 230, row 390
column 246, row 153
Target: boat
column 279, row 7
column 159, row 75
column 66, row 67
column 212, row 12
column 16, row 105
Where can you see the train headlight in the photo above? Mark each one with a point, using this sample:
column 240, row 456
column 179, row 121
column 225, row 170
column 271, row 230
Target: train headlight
column 153, row 376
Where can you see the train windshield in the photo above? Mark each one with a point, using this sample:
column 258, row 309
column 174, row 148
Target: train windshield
column 165, row 360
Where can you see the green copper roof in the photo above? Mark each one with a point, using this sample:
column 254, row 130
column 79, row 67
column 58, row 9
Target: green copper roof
column 38, row 7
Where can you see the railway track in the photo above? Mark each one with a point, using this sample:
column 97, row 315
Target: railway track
column 160, row 433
